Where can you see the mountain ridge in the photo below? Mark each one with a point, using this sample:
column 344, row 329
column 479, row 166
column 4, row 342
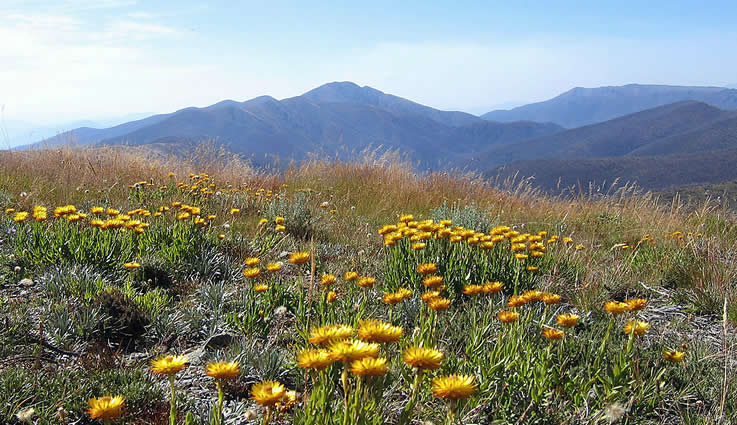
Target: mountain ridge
column 581, row 106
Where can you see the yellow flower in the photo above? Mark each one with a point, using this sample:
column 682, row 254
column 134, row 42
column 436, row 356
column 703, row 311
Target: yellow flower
column 427, row 268
column 439, row 304
column 387, row 229
column 635, row 304
column 327, row 334
column 366, row 282
column 235, row 211
column 405, row 218
column 223, row 370
column 273, row 267
column 507, row 316
column 673, row 356
column 220, row 235
column 263, row 221
column 403, row 293
column 349, row 276
column 615, row 307
column 369, row 366
column 453, row 387
column 169, row 365
column 473, row 289
column 429, row 296
column 418, row 246
column 636, row 327
column 261, row 288
column 551, row 299
column 553, row 334
column 327, row 279
column 567, row 320
column 251, row 261
column 299, row 257
column 279, row 220
column 268, row 393
column 378, row 331
column 533, row 268
column 521, row 256
column 106, row 407
column 132, row 265
column 288, row 401
column 423, row 357
column 313, row 359
column 20, row 217
column 517, row 300
column 432, row 281
column 331, row 296
column 350, row 350
column 279, row 228
column 493, row 287
column 251, row 272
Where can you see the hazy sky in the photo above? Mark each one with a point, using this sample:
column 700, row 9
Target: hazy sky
column 79, row 59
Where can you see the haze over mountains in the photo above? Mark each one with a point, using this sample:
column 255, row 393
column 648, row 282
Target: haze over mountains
column 661, row 136
column 337, row 119
column 582, row 106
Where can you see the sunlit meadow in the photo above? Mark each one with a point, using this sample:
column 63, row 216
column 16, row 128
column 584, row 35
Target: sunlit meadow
column 203, row 291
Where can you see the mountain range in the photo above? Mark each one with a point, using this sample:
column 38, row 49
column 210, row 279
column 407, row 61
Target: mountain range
column 336, row 119
column 661, row 136
column 582, row 106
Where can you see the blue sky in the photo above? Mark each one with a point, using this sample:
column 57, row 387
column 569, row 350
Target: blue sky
column 69, row 60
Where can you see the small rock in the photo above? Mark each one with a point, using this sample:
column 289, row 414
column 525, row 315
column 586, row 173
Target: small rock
column 25, row 282
column 219, row 341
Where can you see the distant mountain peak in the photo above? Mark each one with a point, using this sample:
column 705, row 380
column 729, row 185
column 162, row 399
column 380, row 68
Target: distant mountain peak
column 344, row 91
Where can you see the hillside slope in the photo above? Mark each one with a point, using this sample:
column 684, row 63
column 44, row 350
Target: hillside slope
column 583, row 106
column 664, row 130
column 652, row 173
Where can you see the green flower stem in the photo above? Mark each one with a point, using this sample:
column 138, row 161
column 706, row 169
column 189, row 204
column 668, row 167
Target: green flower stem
column 173, row 401
column 221, row 396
